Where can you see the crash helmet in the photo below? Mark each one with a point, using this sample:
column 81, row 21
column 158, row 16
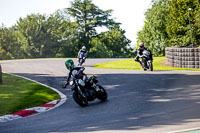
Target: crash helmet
column 141, row 46
column 83, row 48
column 69, row 64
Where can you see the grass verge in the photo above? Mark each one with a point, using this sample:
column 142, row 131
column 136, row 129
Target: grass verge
column 17, row 94
column 131, row 64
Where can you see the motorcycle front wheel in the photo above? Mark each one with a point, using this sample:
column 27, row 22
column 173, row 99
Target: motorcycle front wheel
column 64, row 84
column 102, row 94
column 144, row 64
column 80, row 100
column 150, row 65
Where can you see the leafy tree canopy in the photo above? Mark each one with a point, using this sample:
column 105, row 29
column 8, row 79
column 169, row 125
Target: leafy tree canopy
column 63, row 33
column 168, row 24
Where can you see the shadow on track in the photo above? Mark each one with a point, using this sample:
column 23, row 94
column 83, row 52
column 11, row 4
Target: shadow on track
column 135, row 101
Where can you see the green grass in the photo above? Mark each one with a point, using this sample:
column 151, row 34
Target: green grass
column 131, row 64
column 17, row 94
column 195, row 131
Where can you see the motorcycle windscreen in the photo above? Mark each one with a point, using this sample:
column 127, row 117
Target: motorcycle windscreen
column 146, row 54
column 81, row 82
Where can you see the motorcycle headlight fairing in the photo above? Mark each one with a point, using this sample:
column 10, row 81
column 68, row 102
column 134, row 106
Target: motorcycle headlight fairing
column 71, row 83
column 81, row 82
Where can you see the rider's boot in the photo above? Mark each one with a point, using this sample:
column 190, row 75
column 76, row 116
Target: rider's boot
column 140, row 63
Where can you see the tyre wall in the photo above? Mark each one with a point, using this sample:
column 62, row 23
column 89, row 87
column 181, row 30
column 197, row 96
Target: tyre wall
column 183, row 57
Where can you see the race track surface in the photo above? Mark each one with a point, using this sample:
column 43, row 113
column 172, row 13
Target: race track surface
column 138, row 101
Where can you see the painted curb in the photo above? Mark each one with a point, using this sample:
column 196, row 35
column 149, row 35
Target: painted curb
column 35, row 110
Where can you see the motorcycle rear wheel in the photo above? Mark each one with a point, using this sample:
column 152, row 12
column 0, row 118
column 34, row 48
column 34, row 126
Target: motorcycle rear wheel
column 102, row 94
column 83, row 102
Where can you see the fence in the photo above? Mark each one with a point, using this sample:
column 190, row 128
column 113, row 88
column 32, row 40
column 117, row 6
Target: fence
column 183, row 57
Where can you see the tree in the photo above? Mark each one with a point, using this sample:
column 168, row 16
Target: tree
column 70, row 40
column 112, row 43
column 88, row 16
column 10, row 48
column 31, row 31
column 41, row 35
column 154, row 33
column 55, row 35
column 1, row 81
column 197, row 25
column 178, row 27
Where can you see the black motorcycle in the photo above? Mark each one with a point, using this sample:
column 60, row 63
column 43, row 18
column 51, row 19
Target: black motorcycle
column 147, row 60
column 85, row 90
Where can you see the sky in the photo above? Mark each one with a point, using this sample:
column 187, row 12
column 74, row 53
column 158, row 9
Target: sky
column 130, row 13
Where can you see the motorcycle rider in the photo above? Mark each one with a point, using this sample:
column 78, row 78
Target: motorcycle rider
column 82, row 50
column 71, row 67
column 140, row 52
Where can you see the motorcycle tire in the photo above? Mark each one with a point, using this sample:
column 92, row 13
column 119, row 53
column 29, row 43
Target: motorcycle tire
column 151, row 66
column 144, row 64
column 81, row 62
column 64, row 84
column 83, row 102
column 144, row 69
column 102, row 94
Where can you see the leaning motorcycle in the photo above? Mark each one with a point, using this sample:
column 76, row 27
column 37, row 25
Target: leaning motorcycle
column 81, row 59
column 84, row 91
column 147, row 62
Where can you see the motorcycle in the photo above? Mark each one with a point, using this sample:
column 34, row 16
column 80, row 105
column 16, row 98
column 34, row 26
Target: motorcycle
column 81, row 59
column 147, row 62
column 85, row 90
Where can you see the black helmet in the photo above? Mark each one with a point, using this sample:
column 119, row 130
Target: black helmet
column 141, row 46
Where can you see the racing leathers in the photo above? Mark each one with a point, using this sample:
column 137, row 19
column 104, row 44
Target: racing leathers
column 140, row 53
column 78, row 69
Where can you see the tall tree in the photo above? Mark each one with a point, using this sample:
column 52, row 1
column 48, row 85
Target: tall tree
column 10, row 47
column 42, row 35
column 55, row 35
column 31, row 29
column 1, row 81
column 154, row 33
column 112, row 43
column 88, row 16
column 178, row 27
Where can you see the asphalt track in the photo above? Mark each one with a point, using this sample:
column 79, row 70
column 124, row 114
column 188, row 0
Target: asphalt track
column 138, row 102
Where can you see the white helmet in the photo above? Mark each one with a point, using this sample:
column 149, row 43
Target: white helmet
column 83, row 48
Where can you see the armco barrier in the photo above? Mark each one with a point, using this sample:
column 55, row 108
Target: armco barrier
column 183, row 57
